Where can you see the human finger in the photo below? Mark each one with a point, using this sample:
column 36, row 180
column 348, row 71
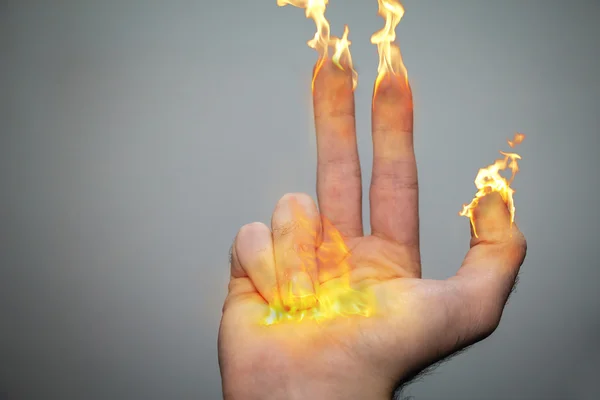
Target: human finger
column 490, row 268
column 339, row 188
column 253, row 260
column 296, row 225
column 394, row 186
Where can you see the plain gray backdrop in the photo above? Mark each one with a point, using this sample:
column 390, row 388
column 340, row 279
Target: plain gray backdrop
column 138, row 136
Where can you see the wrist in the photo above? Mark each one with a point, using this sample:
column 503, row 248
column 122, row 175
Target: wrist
column 310, row 392
column 281, row 386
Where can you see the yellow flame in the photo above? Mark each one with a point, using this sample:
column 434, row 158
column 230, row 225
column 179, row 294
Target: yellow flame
column 489, row 180
column 335, row 296
column 315, row 9
column 390, row 58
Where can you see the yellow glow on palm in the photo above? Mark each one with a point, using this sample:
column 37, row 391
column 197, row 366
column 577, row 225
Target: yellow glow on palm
column 335, row 296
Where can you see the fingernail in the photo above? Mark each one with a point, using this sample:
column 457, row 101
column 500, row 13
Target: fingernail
column 491, row 215
column 491, row 205
column 302, row 285
column 302, row 291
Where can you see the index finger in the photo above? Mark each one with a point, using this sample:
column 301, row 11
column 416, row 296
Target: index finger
column 339, row 189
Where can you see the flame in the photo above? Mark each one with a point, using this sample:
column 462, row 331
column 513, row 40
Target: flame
column 518, row 139
column 334, row 296
column 315, row 9
column 489, row 180
column 390, row 58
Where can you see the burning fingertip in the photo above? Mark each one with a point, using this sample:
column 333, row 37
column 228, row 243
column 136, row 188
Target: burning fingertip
column 494, row 198
column 491, row 202
column 392, row 86
column 491, row 215
column 333, row 74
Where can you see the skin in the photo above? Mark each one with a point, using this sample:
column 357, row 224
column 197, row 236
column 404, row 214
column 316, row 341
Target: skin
column 418, row 321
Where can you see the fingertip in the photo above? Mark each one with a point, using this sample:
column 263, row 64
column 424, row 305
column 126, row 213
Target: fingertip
column 493, row 232
column 293, row 208
column 332, row 87
column 253, row 258
column 491, row 217
column 327, row 68
column 296, row 229
column 251, row 236
column 392, row 85
column 491, row 203
column 302, row 199
column 393, row 92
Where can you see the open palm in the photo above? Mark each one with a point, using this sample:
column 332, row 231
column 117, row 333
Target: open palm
column 416, row 321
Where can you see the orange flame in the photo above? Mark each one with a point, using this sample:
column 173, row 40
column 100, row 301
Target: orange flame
column 315, row 9
column 334, row 296
column 489, row 180
column 518, row 139
column 390, row 58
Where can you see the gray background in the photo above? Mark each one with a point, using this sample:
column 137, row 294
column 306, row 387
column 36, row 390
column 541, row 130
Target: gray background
column 138, row 136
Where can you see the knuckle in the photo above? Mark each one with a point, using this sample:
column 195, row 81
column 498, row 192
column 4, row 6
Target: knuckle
column 336, row 111
column 286, row 198
column 252, row 229
column 286, row 228
column 304, row 248
column 304, row 199
column 393, row 183
column 343, row 162
column 301, row 198
column 514, row 249
column 290, row 197
column 521, row 242
column 391, row 179
column 385, row 128
column 485, row 311
column 299, row 207
column 486, row 319
column 481, row 310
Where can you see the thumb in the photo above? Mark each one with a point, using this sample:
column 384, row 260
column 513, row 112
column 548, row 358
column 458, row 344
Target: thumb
column 490, row 268
column 497, row 245
column 491, row 219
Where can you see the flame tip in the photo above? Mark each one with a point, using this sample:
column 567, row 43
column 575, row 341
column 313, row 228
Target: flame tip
column 390, row 58
column 322, row 40
column 489, row 180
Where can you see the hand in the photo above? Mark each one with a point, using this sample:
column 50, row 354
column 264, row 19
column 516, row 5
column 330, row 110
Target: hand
column 416, row 321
